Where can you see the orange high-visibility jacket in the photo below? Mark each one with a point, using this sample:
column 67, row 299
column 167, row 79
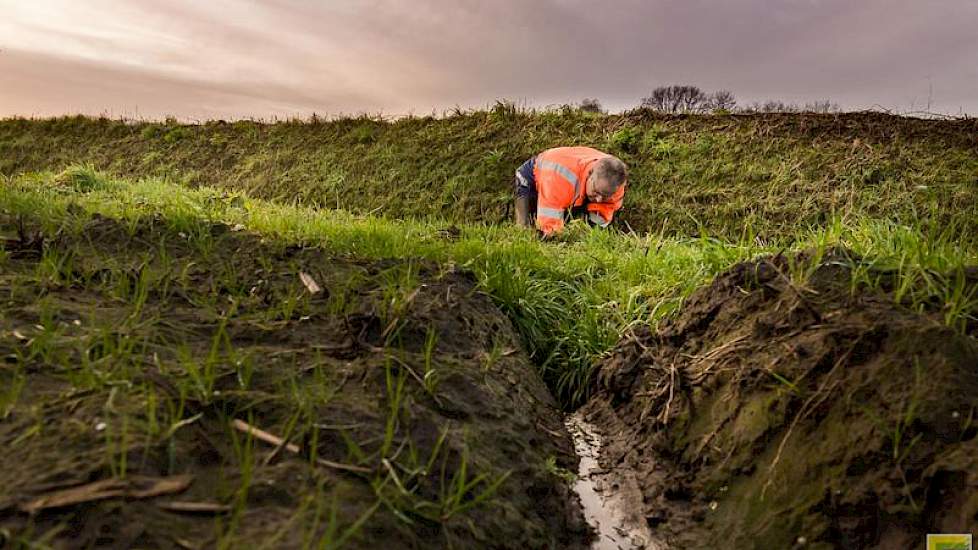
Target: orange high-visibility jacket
column 561, row 175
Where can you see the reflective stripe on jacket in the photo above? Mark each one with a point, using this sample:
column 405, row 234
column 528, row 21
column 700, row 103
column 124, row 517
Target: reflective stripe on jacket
column 561, row 176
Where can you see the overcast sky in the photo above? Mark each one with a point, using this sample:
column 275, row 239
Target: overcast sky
column 200, row 59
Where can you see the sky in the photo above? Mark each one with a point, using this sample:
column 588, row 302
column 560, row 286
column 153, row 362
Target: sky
column 228, row 59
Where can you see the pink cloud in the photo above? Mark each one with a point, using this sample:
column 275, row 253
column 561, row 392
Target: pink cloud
column 235, row 58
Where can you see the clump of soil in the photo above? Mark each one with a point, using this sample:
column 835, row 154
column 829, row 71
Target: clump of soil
column 395, row 406
column 776, row 414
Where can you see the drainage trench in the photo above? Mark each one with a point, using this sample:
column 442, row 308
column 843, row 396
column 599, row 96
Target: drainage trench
column 611, row 500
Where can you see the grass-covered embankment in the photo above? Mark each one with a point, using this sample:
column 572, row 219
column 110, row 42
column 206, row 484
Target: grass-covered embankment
column 723, row 175
column 570, row 300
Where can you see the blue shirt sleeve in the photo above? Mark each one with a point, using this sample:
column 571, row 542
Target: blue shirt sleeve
column 526, row 184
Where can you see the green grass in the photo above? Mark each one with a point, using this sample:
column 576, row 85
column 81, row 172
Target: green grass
column 570, row 299
column 777, row 174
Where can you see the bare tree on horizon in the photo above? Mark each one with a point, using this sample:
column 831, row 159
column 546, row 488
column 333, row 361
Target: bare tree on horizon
column 591, row 105
column 678, row 98
column 722, row 100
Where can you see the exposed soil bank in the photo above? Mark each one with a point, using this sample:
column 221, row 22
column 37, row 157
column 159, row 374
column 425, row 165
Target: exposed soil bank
column 770, row 414
column 134, row 358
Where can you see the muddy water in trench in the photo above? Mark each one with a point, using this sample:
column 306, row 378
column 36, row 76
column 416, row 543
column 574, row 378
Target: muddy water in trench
column 611, row 499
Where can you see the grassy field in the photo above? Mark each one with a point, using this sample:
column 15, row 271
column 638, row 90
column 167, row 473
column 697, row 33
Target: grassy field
column 154, row 308
column 724, row 175
column 570, row 300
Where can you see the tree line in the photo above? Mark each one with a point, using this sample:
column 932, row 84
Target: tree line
column 687, row 99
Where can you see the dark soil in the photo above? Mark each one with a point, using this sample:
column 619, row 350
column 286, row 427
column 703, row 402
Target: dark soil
column 772, row 414
column 111, row 333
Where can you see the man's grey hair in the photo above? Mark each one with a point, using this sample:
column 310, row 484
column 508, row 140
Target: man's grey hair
column 612, row 171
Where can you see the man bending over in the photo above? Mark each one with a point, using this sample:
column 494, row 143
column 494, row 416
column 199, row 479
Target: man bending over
column 575, row 181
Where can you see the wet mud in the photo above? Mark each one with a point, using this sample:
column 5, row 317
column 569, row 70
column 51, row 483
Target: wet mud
column 611, row 500
column 776, row 411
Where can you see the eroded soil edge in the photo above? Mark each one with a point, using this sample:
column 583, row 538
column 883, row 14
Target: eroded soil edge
column 778, row 412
